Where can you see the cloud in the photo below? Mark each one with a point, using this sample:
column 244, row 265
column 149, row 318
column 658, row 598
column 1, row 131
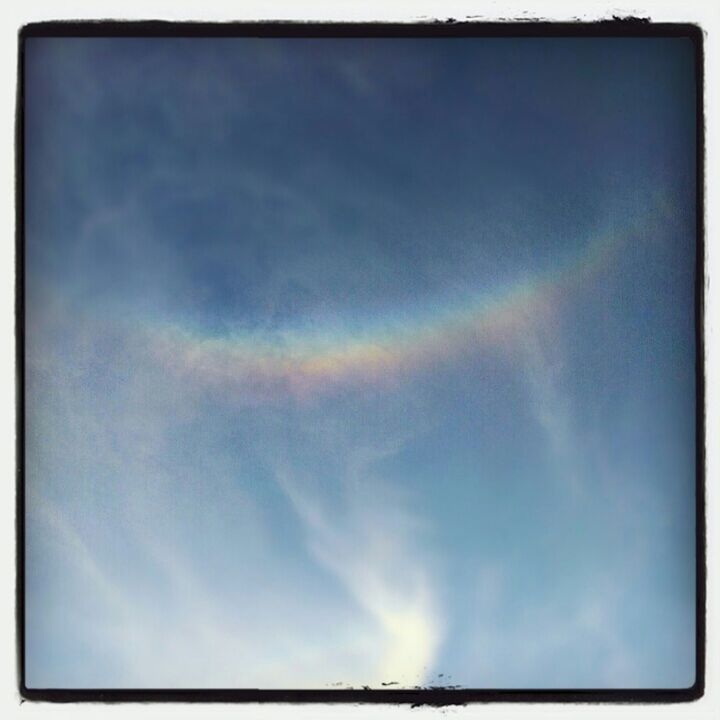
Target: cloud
column 147, row 495
column 569, row 632
column 200, row 638
column 369, row 549
column 539, row 353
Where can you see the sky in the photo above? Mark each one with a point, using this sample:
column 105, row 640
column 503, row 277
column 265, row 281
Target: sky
column 356, row 362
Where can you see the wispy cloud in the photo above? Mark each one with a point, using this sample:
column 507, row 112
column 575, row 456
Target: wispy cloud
column 369, row 547
column 190, row 583
column 581, row 644
column 540, row 355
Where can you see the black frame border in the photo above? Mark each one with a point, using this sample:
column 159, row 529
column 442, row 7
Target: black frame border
column 438, row 696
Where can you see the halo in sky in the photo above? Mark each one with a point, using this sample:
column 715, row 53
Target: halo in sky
column 360, row 362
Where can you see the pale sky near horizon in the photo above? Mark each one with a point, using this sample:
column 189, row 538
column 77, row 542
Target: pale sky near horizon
column 353, row 362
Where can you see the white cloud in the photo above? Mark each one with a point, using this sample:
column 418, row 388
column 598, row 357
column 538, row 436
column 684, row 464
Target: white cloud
column 368, row 547
column 189, row 579
column 540, row 352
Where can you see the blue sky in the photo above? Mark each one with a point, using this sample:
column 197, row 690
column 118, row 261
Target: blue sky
column 360, row 361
